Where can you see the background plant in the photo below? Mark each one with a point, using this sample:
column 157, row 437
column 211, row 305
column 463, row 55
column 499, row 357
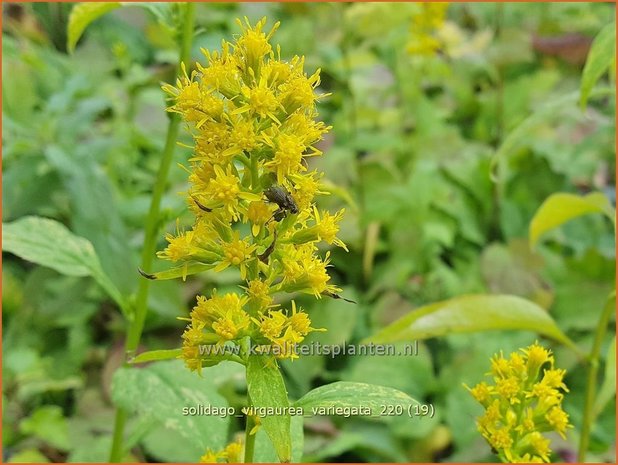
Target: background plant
column 409, row 157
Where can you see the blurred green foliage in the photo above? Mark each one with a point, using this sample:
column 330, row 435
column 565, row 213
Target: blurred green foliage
column 410, row 156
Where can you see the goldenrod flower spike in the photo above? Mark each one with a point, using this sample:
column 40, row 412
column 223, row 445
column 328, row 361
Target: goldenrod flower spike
column 252, row 116
column 523, row 402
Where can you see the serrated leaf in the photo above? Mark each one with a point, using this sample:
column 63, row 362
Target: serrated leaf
column 561, row 207
column 162, row 390
column 81, row 16
column 347, row 394
column 267, row 389
column 600, row 57
column 470, row 313
column 155, row 355
column 49, row 243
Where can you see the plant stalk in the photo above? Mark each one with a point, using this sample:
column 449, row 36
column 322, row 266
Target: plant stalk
column 591, row 381
column 136, row 325
column 250, row 423
column 249, row 439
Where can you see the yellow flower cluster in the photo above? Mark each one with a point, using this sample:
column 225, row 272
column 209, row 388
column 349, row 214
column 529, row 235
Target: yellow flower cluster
column 523, row 402
column 425, row 23
column 232, row 453
column 252, row 117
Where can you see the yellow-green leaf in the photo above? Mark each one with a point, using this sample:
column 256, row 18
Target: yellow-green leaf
column 181, row 271
column 153, row 355
column 471, row 313
column 601, row 56
column 562, row 207
column 82, row 15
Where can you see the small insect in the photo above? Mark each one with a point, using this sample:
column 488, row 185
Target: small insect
column 146, row 275
column 283, row 199
column 200, row 206
column 264, row 257
column 332, row 295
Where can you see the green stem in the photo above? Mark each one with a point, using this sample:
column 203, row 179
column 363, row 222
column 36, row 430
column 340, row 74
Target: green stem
column 117, row 439
column 498, row 186
column 150, row 242
column 591, row 382
column 136, row 325
column 255, row 173
column 347, row 64
column 250, row 424
column 249, row 438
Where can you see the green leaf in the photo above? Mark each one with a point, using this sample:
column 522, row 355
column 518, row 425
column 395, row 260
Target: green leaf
column 181, row 271
column 168, row 446
column 346, row 394
column 49, row 243
column 608, row 388
column 47, row 423
column 393, row 371
column 82, row 15
column 165, row 13
column 267, row 389
column 154, row 355
column 521, row 133
column 28, row 456
column 265, row 452
column 162, row 391
column 561, row 207
column 471, row 313
column 207, row 361
column 601, row 56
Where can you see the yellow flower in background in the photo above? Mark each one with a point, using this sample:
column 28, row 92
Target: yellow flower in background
column 425, row 23
column 232, row 453
column 523, row 402
column 252, row 116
